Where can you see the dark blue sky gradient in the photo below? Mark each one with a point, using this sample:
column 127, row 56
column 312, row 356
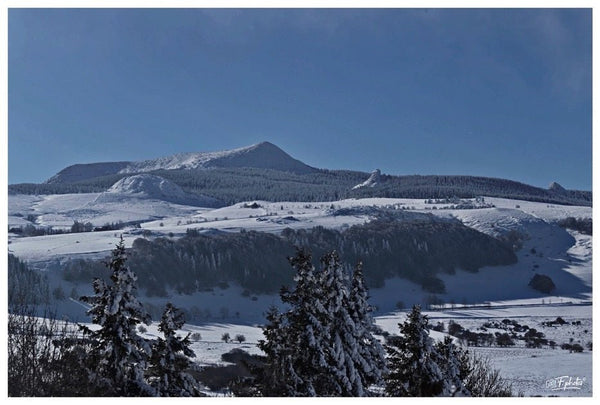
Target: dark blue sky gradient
column 490, row 92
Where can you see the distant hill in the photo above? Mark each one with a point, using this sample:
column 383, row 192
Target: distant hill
column 264, row 171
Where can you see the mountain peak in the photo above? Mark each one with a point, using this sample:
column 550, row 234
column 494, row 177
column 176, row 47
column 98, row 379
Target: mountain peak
column 263, row 155
column 554, row 186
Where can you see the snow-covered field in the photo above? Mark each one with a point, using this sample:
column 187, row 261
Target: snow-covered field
column 531, row 371
column 498, row 292
column 565, row 256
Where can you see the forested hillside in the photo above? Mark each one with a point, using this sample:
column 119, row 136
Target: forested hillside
column 416, row 250
column 232, row 185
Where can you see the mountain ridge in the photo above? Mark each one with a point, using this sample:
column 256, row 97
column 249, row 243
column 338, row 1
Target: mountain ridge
column 265, row 172
column 261, row 155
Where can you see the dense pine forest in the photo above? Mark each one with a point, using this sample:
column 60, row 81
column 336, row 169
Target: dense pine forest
column 417, row 250
column 232, row 185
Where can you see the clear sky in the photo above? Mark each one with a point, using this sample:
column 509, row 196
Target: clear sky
column 490, row 92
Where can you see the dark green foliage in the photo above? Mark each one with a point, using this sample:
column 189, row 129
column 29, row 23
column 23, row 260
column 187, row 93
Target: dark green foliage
column 25, row 286
column 504, row 340
column 467, row 187
column 583, row 225
column 170, row 363
column 95, row 185
column 78, row 227
column 542, row 283
column 417, row 250
column 413, row 362
column 80, row 270
column 201, row 261
column 225, row 377
column 322, row 345
column 572, row 347
column 232, row 185
column 419, row 368
column 455, row 367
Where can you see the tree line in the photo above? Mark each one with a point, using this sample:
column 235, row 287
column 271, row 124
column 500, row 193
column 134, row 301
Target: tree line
column 233, row 185
column 418, row 250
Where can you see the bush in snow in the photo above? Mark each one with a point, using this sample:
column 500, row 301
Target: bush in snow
column 484, row 381
column 542, row 283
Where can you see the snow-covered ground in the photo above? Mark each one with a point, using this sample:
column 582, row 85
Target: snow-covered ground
column 532, row 372
column 565, row 256
column 492, row 293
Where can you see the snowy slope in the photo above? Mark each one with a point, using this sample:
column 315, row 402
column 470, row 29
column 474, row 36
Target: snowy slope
column 261, row 155
column 62, row 210
column 149, row 186
column 547, row 249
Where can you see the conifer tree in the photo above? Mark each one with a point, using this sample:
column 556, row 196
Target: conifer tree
column 278, row 377
column 413, row 361
column 296, row 344
column 315, row 347
column 306, row 327
column 117, row 356
column 371, row 355
column 356, row 357
column 170, row 363
column 454, row 364
column 343, row 380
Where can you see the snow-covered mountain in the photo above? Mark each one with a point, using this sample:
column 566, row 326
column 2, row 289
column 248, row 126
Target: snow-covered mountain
column 263, row 155
column 149, row 186
column 372, row 181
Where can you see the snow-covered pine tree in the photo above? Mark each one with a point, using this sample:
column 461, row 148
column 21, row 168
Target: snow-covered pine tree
column 454, row 364
column 372, row 367
column 356, row 358
column 278, row 377
column 299, row 335
column 413, row 369
column 342, row 377
column 170, row 363
column 322, row 345
column 118, row 356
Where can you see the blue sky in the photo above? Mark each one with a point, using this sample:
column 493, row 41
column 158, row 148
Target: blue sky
column 490, row 92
